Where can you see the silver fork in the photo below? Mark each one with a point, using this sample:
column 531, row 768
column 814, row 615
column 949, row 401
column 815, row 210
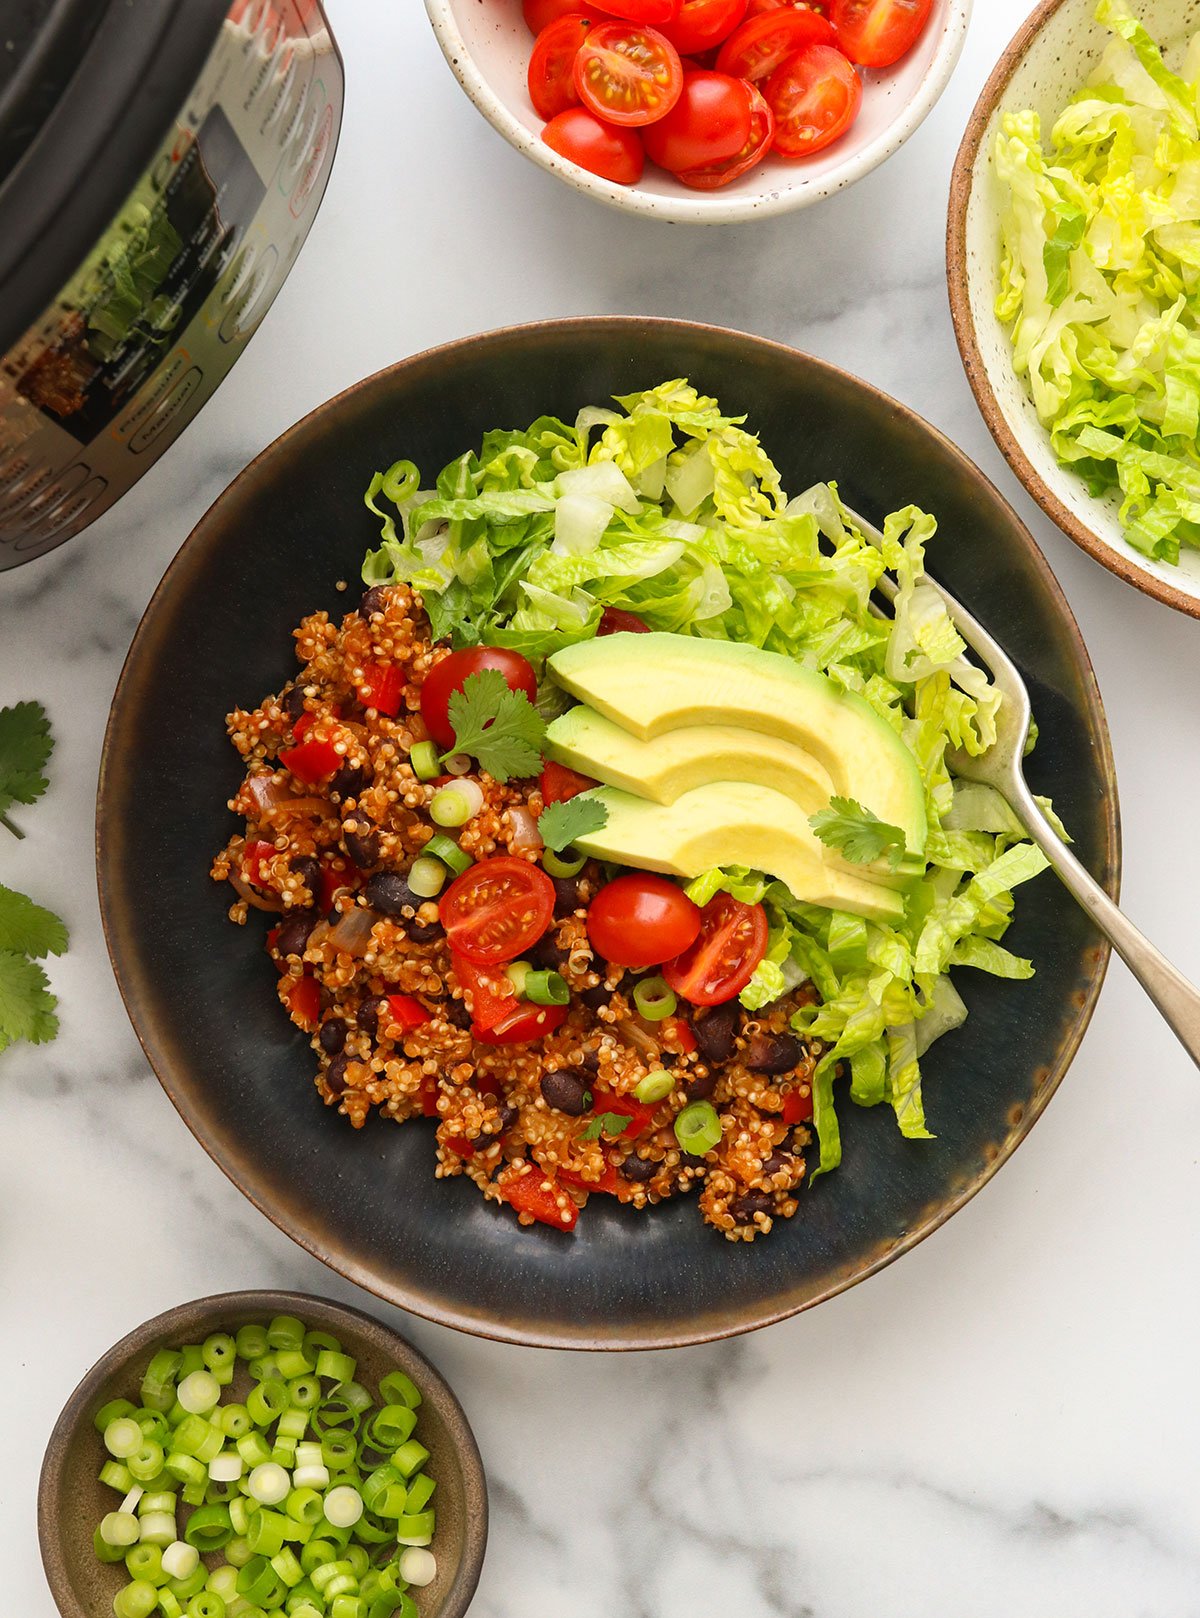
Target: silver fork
column 1001, row 767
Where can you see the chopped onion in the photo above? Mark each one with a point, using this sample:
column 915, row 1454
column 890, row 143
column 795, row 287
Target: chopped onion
column 636, row 1033
column 248, row 894
column 265, row 791
column 351, row 933
column 525, row 831
column 293, row 806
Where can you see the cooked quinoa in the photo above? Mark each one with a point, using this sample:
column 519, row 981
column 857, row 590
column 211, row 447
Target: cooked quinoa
column 357, row 951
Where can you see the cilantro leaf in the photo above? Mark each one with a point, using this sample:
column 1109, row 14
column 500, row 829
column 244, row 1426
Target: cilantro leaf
column 858, row 834
column 27, row 929
column 499, row 728
column 26, row 1004
column 25, row 745
column 562, row 823
column 607, row 1123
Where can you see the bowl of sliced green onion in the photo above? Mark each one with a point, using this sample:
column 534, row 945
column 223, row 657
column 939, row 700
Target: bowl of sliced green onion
column 262, row 1453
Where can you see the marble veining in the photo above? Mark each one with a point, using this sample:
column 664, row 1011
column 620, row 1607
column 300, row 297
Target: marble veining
column 1004, row 1422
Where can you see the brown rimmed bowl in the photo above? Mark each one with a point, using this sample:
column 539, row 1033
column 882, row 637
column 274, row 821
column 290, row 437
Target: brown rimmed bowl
column 1050, row 58
column 201, row 993
column 72, row 1500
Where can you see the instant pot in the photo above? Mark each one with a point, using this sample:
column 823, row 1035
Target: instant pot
column 161, row 163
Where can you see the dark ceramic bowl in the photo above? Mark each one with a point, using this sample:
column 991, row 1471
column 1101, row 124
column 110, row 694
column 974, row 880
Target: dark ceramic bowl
column 72, row 1500
column 201, row 993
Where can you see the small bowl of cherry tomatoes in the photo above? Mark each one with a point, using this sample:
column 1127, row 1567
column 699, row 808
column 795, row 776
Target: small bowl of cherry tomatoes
column 704, row 111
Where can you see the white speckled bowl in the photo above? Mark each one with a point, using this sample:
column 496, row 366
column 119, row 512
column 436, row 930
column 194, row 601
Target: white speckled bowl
column 1050, row 58
column 487, row 44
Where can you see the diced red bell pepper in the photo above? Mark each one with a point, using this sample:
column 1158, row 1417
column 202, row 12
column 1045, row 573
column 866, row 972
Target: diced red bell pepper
column 522, row 1025
column 303, row 724
column 304, row 1001
column 382, row 688
column 331, row 880
column 311, row 762
column 429, row 1097
column 253, row 856
column 527, row 1193
column 560, row 784
column 489, row 1000
column 681, row 1032
column 461, row 1146
column 797, row 1108
column 407, row 1011
column 487, row 1084
column 640, row 1116
column 606, row 1183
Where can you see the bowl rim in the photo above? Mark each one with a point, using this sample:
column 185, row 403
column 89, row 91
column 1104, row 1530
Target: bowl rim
column 958, row 278
column 185, row 1317
column 313, row 1241
column 705, row 208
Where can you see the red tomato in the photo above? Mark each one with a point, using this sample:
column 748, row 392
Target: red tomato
column 448, row 676
column 654, row 11
column 762, row 133
column 539, row 14
column 797, row 1109
column 381, row 688
column 701, row 24
column 522, row 1025
column 497, row 910
column 641, row 920
column 876, row 33
column 304, row 1002
column 615, row 622
column 559, row 783
column 711, row 121
column 628, row 76
column 815, row 97
column 552, row 65
column 757, row 8
column 718, row 966
column 613, row 154
column 764, row 43
column 534, row 1193
column 492, row 995
column 406, row 1010
column 311, row 761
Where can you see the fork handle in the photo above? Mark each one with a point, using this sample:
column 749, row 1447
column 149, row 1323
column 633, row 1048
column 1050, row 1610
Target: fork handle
column 1172, row 993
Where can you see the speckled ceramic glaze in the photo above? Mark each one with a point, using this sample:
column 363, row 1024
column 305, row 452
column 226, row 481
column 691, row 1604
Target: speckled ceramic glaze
column 72, row 1500
column 1048, row 60
column 487, row 44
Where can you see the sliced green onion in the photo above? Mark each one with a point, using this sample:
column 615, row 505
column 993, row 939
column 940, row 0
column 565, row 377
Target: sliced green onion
column 654, row 999
column 547, row 989
column 267, row 1402
column 304, row 1392
column 147, row 1463
column 123, row 1438
column 251, row 1342
column 199, row 1393
column 418, row 1566
column 313, row 1476
column 656, row 1086
column 145, row 1562
column 238, row 1552
column 410, row 1458
column 304, row 1505
column 415, row 1528
column 420, row 1491
column 267, row 1532
column 259, row 1583
column 285, row 1331
column 335, row 1367
column 157, row 1528
column 186, row 1468
column 168, row 1604
column 106, row 1552
column 426, row 877
column 227, row 1467
column 287, row 1567
column 455, row 805
column 340, row 1449
column 117, row 1476
column 564, row 864
column 254, row 1449
column 180, row 1560
column 343, row 1507
column 457, row 763
column 698, row 1128
column 517, row 973
column 191, row 1358
column 136, row 1600
column 223, row 1582
column 399, row 1389
column 206, row 1604
column 424, row 761
column 114, row 1410
column 268, row 1484
column 444, row 849
column 294, row 1362
column 234, row 1420
column 162, row 1500
column 185, row 1589
column 390, row 1427
column 293, row 1424
column 120, row 1528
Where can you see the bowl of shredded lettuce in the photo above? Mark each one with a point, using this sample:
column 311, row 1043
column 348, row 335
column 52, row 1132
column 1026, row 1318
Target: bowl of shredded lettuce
column 1074, row 268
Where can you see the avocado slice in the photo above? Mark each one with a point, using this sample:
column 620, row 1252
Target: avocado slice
column 733, row 823
column 652, row 685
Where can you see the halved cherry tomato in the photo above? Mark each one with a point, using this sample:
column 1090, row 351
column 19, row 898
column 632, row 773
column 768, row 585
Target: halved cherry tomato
column 613, row 621
column 540, row 14
column 641, row 920
column 718, row 966
column 876, row 33
column 815, row 97
column 406, row 1010
column 764, row 43
column 710, row 121
column 552, row 65
column 757, row 8
column 607, row 1182
column 311, row 761
column 797, row 1109
column 653, row 11
column 762, row 133
column 522, row 1025
column 560, row 784
column 533, row 1193
column 449, row 676
column 701, row 24
column 497, row 910
column 304, row 1001
column 628, row 76
column 584, row 139
column 492, row 996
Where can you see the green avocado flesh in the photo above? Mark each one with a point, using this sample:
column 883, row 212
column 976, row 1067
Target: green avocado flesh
column 655, row 687
column 733, row 823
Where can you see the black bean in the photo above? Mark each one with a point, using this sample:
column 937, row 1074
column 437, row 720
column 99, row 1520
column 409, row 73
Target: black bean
column 293, row 703
column 422, row 932
column 308, row 869
column 374, row 600
column 547, row 954
column 292, row 937
column 348, row 782
column 508, row 1116
column 566, row 1092
column 717, row 1033
column 778, row 1163
column 456, row 1014
column 368, row 1017
column 745, row 1207
column 638, row 1169
column 589, row 1061
column 774, row 1053
column 566, row 896
column 700, row 1086
column 324, row 998
column 332, row 1036
column 335, row 1074
column 389, row 893
column 595, row 998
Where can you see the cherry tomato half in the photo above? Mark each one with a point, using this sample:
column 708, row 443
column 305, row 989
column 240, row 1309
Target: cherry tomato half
column 710, row 121
column 522, row 1025
column 651, row 11
column 492, row 995
column 757, row 8
column 765, row 43
column 552, row 65
column 628, row 76
column 718, row 966
column 702, row 24
column 815, row 97
column 641, row 920
column 539, row 14
column 449, row 676
column 762, row 133
column 613, row 621
column 497, row 910
column 582, row 138
column 876, row 33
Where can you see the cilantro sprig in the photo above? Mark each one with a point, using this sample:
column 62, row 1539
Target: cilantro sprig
column 28, row 932
column 562, row 823
column 607, row 1123
column 858, row 834
column 500, row 729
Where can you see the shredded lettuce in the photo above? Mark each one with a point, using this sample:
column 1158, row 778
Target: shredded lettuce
column 669, row 508
column 1099, row 279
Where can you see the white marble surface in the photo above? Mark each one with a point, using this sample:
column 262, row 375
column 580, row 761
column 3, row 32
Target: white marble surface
column 1004, row 1422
